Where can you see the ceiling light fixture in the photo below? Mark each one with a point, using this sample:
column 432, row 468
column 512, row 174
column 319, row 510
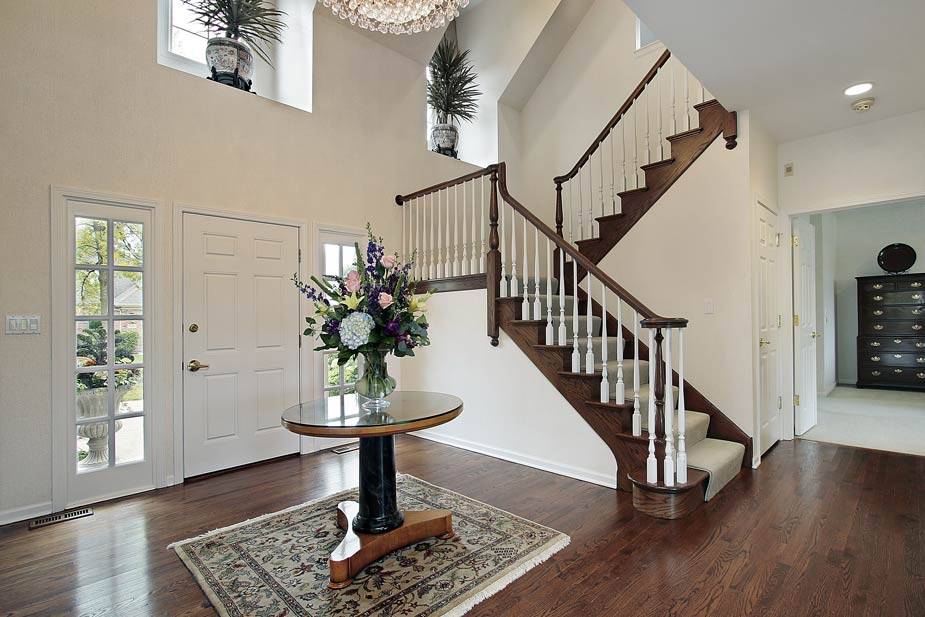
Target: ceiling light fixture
column 397, row 16
column 857, row 89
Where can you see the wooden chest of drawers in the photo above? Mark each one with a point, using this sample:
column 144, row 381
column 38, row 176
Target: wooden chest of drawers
column 891, row 331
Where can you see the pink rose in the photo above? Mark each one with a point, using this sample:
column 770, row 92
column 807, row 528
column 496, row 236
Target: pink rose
column 388, row 261
column 352, row 282
column 385, row 300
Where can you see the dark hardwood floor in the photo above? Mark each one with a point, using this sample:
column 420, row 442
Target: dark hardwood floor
column 819, row 529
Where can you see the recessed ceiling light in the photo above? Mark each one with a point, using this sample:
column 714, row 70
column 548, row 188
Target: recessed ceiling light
column 858, row 89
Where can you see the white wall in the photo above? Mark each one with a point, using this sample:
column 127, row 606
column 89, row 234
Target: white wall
column 498, row 35
column 692, row 246
column 861, row 233
column 871, row 163
column 589, row 80
column 91, row 108
column 511, row 410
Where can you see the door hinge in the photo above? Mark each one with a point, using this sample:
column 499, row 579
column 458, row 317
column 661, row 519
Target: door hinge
column 796, row 400
column 300, row 255
column 795, row 240
column 780, row 321
column 777, row 238
column 780, row 402
column 796, row 320
column 300, row 341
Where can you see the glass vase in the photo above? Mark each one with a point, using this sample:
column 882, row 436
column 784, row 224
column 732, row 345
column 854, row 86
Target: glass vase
column 375, row 384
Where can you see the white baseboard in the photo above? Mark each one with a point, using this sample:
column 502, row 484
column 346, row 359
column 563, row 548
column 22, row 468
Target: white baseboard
column 578, row 473
column 14, row 515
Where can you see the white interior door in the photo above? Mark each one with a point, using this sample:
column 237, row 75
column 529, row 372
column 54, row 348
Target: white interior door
column 241, row 322
column 769, row 324
column 804, row 325
column 109, row 402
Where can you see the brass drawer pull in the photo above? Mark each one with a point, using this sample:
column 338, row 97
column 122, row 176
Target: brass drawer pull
column 878, row 286
column 875, row 358
column 916, row 311
column 878, row 327
column 875, row 373
column 897, row 340
column 920, row 360
column 897, row 370
column 917, row 327
column 920, row 375
column 916, row 284
column 898, row 356
column 878, row 298
column 920, row 344
column 875, row 343
column 878, row 312
column 916, row 296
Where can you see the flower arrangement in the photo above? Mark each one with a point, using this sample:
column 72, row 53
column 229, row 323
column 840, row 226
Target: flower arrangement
column 371, row 312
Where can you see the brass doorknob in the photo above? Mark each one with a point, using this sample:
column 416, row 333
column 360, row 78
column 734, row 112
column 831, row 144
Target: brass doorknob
column 195, row 365
column 762, row 342
column 815, row 334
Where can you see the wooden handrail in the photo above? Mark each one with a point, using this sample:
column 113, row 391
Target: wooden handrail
column 401, row 199
column 576, row 255
column 613, row 121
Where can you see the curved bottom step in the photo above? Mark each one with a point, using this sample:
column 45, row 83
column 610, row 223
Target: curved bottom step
column 720, row 458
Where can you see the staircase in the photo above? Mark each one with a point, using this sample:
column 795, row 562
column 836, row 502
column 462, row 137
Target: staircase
column 618, row 363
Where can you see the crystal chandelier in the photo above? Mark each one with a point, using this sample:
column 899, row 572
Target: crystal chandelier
column 397, row 16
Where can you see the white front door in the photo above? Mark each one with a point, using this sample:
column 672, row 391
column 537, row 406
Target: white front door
column 241, row 323
column 769, row 323
column 804, row 330
column 109, row 407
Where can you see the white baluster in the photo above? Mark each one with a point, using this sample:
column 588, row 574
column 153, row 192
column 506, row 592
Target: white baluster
column 646, row 95
column 669, row 414
column 404, row 236
column 687, row 99
column 576, row 356
column 589, row 330
column 439, row 253
column 658, row 111
column 561, row 287
column 600, row 161
column 682, row 412
column 484, row 242
column 621, row 388
column 613, row 178
column 464, row 248
column 478, row 241
column 537, row 305
column 635, row 146
column 550, row 334
column 623, row 155
column 674, row 109
column 591, row 218
column 505, row 288
column 515, row 290
column 651, row 463
column 425, row 261
column 637, row 417
column 571, row 215
column 581, row 208
column 605, row 381
column 457, row 265
column 448, row 266
column 525, row 304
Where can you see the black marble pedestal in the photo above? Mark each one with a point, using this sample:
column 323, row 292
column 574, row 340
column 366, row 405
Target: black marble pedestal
column 378, row 510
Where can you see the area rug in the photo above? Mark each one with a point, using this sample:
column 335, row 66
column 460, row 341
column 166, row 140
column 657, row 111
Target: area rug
column 277, row 565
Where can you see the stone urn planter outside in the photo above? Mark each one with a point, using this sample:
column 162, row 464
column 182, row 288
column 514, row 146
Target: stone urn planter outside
column 231, row 62
column 444, row 136
column 92, row 404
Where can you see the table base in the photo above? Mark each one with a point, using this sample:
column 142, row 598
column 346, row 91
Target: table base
column 357, row 550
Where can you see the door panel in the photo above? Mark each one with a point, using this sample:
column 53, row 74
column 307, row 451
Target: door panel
column 235, row 290
column 804, row 303
column 769, row 413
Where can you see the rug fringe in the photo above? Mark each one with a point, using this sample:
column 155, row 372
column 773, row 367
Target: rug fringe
column 507, row 579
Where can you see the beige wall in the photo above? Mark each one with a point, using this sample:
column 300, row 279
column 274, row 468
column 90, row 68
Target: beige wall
column 589, row 80
column 86, row 105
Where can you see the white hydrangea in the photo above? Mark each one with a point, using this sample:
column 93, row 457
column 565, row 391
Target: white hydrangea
column 355, row 329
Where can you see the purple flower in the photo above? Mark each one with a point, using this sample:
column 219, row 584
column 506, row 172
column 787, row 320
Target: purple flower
column 393, row 327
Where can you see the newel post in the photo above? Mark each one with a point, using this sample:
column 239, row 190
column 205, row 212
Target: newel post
column 493, row 262
column 559, row 215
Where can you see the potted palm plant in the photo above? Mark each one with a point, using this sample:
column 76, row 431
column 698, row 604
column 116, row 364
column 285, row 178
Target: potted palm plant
column 452, row 92
column 249, row 26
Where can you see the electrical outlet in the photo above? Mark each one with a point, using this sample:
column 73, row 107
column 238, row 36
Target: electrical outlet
column 23, row 324
column 709, row 307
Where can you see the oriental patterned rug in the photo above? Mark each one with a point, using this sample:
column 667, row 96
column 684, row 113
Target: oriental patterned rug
column 277, row 565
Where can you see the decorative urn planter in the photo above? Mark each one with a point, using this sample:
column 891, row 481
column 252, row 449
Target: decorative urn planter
column 230, row 62
column 93, row 404
column 444, row 136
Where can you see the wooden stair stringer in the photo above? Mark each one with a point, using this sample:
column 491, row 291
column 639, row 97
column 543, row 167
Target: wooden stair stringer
column 686, row 148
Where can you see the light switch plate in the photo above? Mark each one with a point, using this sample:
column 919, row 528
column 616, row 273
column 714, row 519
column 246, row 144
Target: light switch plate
column 23, row 324
column 709, row 307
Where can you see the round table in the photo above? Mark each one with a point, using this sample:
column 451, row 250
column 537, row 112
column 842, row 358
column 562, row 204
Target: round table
column 374, row 525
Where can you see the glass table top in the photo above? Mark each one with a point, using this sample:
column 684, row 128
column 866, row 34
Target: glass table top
column 343, row 415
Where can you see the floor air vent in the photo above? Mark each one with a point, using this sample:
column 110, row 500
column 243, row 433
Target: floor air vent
column 345, row 449
column 67, row 515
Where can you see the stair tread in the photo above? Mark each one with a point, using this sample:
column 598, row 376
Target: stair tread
column 706, row 104
column 720, row 458
column 657, row 164
column 628, row 192
column 683, row 134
